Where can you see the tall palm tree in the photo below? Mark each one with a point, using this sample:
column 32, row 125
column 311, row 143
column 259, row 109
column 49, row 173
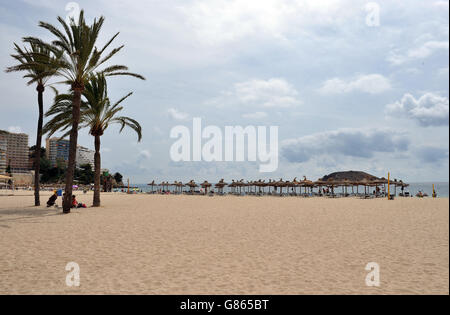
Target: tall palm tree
column 79, row 61
column 97, row 113
column 39, row 64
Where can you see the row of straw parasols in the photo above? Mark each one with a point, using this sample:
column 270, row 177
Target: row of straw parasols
column 241, row 186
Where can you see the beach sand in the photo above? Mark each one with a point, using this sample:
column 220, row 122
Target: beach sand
column 152, row 244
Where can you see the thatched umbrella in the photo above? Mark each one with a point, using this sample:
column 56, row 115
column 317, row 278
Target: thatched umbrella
column 332, row 183
column 289, row 184
column 280, row 184
column 366, row 183
column 191, row 185
column 152, row 184
column 270, row 184
column 163, row 184
column 403, row 186
column 241, row 184
column 220, row 185
column 178, row 187
column 295, row 184
column 260, row 184
column 319, row 183
column 232, row 185
column 205, row 185
column 346, row 183
column 306, row 183
column 378, row 182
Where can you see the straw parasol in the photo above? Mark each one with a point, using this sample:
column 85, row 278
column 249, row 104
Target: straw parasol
column 152, row 184
column 205, row 185
column 260, row 184
column 232, row 185
column 191, row 185
column 280, row 184
column 178, row 186
column 220, row 185
column 241, row 185
column 319, row 183
column 306, row 183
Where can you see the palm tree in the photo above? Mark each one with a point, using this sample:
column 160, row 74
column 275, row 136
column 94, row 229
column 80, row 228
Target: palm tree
column 79, row 61
column 97, row 113
column 39, row 64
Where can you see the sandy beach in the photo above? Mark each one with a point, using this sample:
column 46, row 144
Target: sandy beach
column 152, row 244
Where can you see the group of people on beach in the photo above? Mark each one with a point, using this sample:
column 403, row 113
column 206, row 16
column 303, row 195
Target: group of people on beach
column 52, row 200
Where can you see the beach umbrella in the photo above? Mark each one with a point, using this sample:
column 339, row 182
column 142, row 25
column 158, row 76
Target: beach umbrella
column 306, row 183
column 280, row 184
column 295, row 184
column 346, row 183
column 206, row 185
column 319, row 183
column 177, row 186
column 220, row 185
column 151, row 184
column 366, row 183
column 332, row 183
column 260, row 184
column 180, row 186
column 269, row 184
column 378, row 182
column 240, row 184
column 232, row 185
column 191, row 185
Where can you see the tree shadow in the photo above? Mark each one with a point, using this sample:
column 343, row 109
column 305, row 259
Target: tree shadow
column 27, row 213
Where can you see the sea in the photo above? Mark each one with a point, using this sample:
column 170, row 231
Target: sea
column 426, row 187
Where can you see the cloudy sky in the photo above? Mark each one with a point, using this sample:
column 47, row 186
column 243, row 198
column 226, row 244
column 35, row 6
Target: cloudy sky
column 352, row 85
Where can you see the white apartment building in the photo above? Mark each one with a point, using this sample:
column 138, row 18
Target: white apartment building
column 84, row 156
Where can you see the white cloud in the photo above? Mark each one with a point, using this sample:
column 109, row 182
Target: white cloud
column 145, row 154
column 441, row 4
column 425, row 50
column 223, row 21
column 15, row 129
column 359, row 143
column 368, row 83
column 177, row 115
column 105, row 150
column 429, row 110
column 255, row 115
column 443, row 71
column 274, row 92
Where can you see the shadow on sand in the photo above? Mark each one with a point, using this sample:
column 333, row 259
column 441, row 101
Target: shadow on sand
column 27, row 213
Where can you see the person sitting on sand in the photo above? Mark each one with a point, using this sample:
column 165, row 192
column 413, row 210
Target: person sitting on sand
column 51, row 201
column 75, row 203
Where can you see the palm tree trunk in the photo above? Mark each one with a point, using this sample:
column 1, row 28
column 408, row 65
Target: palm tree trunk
column 37, row 150
column 97, row 168
column 76, row 103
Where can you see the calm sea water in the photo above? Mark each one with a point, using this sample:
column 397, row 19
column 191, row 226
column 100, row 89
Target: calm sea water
column 440, row 187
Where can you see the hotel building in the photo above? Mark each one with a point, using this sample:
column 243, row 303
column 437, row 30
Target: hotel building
column 85, row 156
column 14, row 152
column 57, row 150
